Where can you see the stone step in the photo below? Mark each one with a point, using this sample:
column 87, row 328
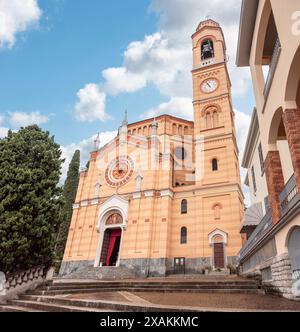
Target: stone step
column 150, row 290
column 122, row 287
column 52, row 307
column 15, row 308
column 150, row 281
column 148, row 284
column 48, row 303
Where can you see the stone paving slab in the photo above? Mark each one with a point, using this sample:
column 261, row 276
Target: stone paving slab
column 229, row 301
column 106, row 296
column 204, row 302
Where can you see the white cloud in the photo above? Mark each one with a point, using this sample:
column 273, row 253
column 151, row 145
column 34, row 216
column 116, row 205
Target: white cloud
column 17, row 16
column 91, row 104
column 3, row 132
column 242, row 123
column 119, row 80
column 22, row 119
column 178, row 19
column 164, row 59
column 177, row 106
column 2, row 119
column 85, row 147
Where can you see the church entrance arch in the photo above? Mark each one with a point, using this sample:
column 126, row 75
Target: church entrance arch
column 111, row 247
column 111, row 240
column 294, row 251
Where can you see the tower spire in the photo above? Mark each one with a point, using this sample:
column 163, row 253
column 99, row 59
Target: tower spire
column 125, row 121
column 154, row 127
column 97, row 142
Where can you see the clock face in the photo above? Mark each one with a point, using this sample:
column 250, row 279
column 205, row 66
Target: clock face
column 209, row 86
column 119, row 171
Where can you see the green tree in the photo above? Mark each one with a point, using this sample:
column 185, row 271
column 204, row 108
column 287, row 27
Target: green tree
column 69, row 194
column 30, row 199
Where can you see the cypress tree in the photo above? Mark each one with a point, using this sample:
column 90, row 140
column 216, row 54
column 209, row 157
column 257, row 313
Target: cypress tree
column 69, row 194
column 30, row 199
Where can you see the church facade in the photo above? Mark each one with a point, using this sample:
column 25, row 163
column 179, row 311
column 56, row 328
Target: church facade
column 165, row 195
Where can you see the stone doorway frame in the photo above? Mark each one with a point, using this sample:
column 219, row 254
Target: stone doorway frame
column 211, row 237
column 115, row 204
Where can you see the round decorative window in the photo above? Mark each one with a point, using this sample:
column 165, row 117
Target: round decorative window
column 119, row 171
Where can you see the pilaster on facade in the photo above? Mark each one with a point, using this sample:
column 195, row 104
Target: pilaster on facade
column 291, row 120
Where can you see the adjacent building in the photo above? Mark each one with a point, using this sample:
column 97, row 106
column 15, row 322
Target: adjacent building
column 269, row 43
column 165, row 195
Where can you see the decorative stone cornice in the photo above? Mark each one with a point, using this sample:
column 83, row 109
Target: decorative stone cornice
column 149, row 193
column 167, row 193
column 136, row 195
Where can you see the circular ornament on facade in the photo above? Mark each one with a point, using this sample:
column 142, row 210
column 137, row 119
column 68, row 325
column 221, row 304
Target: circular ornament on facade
column 119, row 171
column 210, row 85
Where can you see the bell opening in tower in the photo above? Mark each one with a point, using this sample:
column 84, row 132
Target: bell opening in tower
column 207, row 50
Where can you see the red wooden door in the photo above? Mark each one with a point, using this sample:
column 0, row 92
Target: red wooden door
column 219, row 260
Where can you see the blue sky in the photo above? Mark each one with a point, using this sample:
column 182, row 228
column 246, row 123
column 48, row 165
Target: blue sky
column 73, row 67
column 73, row 44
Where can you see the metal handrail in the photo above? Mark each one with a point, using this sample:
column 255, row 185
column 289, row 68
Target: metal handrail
column 289, row 196
column 258, row 233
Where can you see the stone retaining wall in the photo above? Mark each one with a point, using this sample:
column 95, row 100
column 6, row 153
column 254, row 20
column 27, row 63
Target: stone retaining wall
column 276, row 275
column 281, row 272
column 141, row 268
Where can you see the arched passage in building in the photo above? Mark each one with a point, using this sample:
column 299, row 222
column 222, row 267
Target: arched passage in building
column 278, row 142
column 292, row 92
column 294, row 251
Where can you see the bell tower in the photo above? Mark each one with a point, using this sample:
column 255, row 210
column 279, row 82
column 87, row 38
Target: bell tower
column 213, row 110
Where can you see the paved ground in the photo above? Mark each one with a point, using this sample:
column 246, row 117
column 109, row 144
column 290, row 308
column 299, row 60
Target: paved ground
column 218, row 301
column 237, row 301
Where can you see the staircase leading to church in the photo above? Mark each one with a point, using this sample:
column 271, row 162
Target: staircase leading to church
column 81, row 296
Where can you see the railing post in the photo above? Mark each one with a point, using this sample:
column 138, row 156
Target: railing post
column 2, row 284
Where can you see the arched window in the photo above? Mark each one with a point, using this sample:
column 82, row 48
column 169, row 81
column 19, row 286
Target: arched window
column 217, row 211
column 207, row 50
column 208, row 120
column 145, row 131
column 180, row 130
column 214, row 165
column 183, row 235
column 175, row 132
column 184, row 206
column 216, row 119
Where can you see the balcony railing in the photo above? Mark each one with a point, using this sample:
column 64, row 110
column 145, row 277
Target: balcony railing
column 288, row 198
column 273, row 65
column 262, row 229
column 289, row 195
